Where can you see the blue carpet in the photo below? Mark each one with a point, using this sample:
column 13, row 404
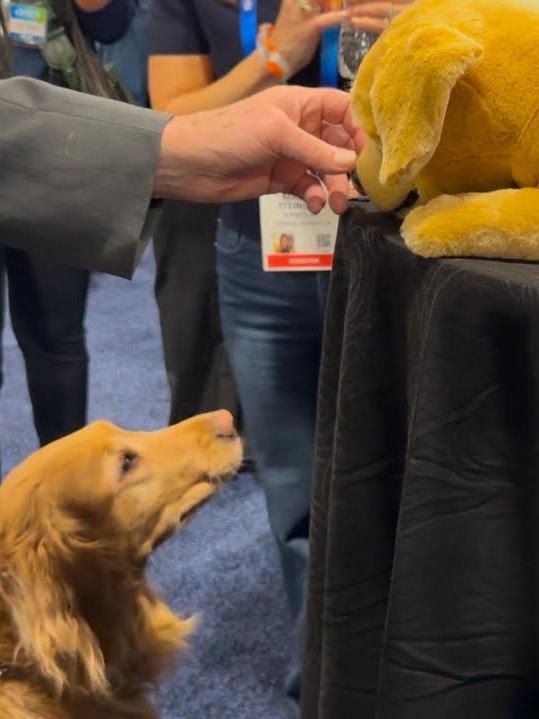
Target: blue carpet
column 224, row 564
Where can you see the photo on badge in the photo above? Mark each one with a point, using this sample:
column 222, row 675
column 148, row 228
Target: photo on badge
column 284, row 243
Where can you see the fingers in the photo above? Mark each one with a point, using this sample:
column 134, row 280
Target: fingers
column 369, row 24
column 374, row 16
column 312, row 191
column 315, row 132
column 333, row 105
column 347, row 134
column 330, row 19
column 337, row 187
column 322, row 107
column 338, row 136
column 335, row 109
column 312, row 152
column 375, row 9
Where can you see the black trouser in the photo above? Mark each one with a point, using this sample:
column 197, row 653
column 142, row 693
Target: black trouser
column 47, row 304
column 198, row 371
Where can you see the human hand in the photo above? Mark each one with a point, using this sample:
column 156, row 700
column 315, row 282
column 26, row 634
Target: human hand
column 374, row 16
column 297, row 31
column 268, row 143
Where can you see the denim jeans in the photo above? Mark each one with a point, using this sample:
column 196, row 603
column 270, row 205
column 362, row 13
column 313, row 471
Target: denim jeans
column 198, row 370
column 272, row 324
column 47, row 303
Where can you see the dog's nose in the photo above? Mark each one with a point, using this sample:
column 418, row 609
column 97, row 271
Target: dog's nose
column 223, row 423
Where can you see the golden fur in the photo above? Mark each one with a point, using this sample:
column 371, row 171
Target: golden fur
column 448, row 98
column 82, row 634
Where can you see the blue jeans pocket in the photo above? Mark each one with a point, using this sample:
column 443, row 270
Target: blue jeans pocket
column 228, row 241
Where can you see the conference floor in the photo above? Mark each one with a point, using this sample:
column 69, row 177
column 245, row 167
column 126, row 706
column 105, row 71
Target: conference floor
column 224, row 564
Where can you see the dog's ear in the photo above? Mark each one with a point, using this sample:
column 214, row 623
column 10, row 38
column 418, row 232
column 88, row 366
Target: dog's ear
column 49, row 631
column 411, row 87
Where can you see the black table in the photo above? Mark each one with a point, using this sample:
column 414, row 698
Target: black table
column 423, row 596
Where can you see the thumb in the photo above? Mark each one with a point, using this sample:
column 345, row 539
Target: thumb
column 298, row 145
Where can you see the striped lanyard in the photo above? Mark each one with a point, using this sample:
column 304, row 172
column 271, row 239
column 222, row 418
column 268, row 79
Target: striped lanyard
column 329, row 47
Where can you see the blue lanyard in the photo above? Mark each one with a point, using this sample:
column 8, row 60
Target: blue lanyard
column 248, row 25
column 329, row 57
column 329, row 48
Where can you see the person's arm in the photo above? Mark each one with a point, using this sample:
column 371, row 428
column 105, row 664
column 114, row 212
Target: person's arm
column 284, row 139
column 182, row 84
column 77, row 174
column 180, row 72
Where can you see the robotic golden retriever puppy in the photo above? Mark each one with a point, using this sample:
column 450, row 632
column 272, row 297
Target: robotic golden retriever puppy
column 449, row 97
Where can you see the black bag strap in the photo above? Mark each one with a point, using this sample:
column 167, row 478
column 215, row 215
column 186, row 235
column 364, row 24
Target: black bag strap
column 6, row 56
column 93, row 77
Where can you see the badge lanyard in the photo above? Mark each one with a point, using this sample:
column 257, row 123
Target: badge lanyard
column 329, row 57
column 248, row 25
column 329, row 49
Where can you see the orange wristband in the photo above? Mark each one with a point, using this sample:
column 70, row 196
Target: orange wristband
column 266, row 46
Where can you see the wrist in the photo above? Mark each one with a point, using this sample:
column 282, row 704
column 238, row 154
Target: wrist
column 269, row 50
column 167, row 180
column 262, row 77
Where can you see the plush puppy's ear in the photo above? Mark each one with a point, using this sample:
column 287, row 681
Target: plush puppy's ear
column 49, row 631
column 410, row 92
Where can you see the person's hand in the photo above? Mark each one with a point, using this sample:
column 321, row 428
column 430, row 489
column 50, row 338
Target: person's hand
column 271, row 142
column 297, row 31
column 374, row 16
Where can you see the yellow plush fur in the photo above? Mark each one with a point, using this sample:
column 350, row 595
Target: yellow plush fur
column 449, row 97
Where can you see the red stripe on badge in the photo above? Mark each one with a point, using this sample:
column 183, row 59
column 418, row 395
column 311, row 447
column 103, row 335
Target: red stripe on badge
column 278, row 261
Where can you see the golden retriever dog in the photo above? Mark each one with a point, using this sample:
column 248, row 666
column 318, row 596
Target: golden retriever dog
column 82, row 634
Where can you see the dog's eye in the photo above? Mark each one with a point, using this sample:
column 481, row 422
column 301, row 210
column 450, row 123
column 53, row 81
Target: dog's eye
column 129, row 460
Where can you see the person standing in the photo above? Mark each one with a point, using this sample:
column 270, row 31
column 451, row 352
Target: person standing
column 196, row 361
column 205, row 54
column 272, row 322
column 47, row 300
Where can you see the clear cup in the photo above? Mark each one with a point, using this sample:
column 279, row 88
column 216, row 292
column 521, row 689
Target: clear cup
column 354, row 44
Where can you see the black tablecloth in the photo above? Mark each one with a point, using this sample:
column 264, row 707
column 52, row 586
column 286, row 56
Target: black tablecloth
column 423, row 596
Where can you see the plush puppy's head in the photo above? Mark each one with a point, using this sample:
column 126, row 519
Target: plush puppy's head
column 78, row 519
column 402, row 91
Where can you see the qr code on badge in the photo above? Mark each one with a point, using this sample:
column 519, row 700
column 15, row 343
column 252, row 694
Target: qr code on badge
column 323, row 241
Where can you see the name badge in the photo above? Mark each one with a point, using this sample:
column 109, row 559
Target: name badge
column 293, row 239
column 28, row 24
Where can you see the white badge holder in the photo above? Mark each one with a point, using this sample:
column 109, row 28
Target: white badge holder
column 28, row 23
column 293, row 239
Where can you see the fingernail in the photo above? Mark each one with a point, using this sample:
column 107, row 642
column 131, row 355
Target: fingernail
column 315, row 205
column 338, row 203
column 344, row 159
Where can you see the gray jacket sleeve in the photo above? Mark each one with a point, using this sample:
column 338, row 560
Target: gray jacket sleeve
column 76, row 175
